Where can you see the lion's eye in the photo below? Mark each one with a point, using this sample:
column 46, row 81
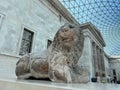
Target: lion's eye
column 66, row 30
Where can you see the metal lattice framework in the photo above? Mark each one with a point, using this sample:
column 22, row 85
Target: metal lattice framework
column 104, row 14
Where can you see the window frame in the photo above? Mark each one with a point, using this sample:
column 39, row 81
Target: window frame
column 32, row 40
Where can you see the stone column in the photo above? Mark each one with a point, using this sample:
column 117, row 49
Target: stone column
column 95, row 63
column 97, row 68
column 103, row 63
column 98, row 61
column 89, row 55
column 93, row 58
column 86, row 57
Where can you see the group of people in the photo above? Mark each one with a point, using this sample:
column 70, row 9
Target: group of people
column 113, row 80
column 105, row 79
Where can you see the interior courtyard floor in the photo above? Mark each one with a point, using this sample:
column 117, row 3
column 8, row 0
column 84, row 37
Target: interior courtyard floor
column 14, row 84
column 8, row 81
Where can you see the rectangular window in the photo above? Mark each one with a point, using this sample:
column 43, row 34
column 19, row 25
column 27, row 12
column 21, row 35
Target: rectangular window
column 26, row 44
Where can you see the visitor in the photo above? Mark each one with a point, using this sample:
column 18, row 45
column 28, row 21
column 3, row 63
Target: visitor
column 104, row 80
column 97, row 77
column 115, row 79
column 109, row 79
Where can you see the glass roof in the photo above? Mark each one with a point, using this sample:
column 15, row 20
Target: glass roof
column 104, row 14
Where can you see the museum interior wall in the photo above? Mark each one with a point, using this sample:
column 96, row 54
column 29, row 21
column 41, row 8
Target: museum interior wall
column 32, row 15
column 35, row 22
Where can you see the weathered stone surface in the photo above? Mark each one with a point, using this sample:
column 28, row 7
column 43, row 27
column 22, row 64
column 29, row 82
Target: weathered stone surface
column 66, row 51
column 33, row 15
column 61, row 62
column 33, row 65
column 39, row 68
column 23, row 67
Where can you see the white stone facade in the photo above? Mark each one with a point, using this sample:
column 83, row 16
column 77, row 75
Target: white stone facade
column 40, row 17
column 92, row 56
column 31, row 14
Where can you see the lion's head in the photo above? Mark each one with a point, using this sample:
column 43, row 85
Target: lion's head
column 69, row 40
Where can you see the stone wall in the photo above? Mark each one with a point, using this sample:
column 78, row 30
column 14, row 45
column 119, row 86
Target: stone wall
column 7, row 66
column 15, row 15
column 35, row 15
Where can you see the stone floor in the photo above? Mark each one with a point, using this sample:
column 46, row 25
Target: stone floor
column 8, row 81
column 14, row 84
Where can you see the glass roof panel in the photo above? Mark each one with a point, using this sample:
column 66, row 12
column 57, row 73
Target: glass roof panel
column 104, row 14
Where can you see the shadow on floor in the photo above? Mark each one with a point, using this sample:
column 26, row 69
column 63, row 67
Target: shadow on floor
column 33, row 78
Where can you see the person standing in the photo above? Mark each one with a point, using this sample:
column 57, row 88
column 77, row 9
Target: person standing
column 104, row 79
column 97, row 77
column 115, row 79
column 109, row 79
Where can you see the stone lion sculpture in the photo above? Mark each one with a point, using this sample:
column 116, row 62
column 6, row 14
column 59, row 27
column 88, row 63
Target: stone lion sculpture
column 61, row 62
column 28, row 66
